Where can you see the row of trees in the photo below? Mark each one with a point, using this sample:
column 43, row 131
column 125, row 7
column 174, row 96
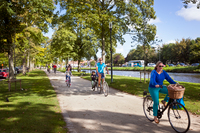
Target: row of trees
column 186, row 50
column 79, row 32
column 21, row 25
column 84, row 28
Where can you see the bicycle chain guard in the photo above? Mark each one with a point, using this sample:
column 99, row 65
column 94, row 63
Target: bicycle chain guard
column 159, row 114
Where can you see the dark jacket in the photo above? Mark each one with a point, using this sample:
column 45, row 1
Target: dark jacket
column 93, row 77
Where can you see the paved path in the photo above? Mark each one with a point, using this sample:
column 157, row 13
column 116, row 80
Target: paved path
column 86, row 111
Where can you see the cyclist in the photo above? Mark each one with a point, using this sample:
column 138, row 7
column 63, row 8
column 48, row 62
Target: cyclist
column 68, row 74
column 156, row 81
column 69, row 66
column 54, row 67
column 48, row 68
column 100, row 71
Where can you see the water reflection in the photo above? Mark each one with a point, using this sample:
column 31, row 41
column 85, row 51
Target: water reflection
column 186, row 77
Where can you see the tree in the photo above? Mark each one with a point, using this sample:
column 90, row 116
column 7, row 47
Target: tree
column 144, row 32
column 195, row 52
column 14, row 15
column 118, row 59
column 98, row 14
column 186, row 2
column 92, row 63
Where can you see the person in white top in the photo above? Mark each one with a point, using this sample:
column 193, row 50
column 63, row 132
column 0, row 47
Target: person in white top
column 68, row 73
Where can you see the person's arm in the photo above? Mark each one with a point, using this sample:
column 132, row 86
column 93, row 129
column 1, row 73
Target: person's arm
column 168, row 78
column 107, row 70
column 97, row 70
column 153, row 79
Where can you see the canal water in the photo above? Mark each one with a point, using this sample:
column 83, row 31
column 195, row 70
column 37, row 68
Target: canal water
column 185, row 77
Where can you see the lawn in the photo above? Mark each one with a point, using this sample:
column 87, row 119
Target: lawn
column 33, row 109
column 181, row 69
column 133, row 86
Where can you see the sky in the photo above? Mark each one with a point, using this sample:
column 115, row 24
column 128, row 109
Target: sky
column 173, row 23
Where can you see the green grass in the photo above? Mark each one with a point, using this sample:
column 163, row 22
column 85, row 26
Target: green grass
column 181, row 69
column 133, row 86
column 33, row 109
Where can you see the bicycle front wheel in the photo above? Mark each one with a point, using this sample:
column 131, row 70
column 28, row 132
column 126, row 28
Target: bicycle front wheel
column 105, row 89
column 148, row 108
column 179, row 117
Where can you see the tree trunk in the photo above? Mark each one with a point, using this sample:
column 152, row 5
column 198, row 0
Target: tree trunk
column 79, row 67
column 144, row 65
column 103, row 44
column 11, row 65
column 28, row 61
column 24, row 63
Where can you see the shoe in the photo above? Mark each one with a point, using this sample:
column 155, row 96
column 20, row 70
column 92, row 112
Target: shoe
column 156, row 121
column 65, row 80
column 164, row 103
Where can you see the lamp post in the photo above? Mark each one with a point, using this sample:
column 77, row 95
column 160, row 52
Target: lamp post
column 110, row 27
column 159, row 52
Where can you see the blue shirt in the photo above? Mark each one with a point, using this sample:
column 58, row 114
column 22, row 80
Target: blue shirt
column 157, row 79
column 101, row 67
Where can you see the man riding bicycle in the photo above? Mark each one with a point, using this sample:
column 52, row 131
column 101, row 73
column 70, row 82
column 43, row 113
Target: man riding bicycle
column 100, row 71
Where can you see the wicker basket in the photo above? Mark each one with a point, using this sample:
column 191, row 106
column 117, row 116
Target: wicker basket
column 175, row 91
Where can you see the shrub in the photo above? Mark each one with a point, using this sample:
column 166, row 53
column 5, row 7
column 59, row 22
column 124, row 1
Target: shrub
column 167, row 66
column 178, row 65
column 198, row 66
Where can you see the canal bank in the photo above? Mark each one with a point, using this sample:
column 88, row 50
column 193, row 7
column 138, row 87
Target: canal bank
column 185, row 77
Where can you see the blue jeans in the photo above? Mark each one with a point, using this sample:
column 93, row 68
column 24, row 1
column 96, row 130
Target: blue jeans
column 69, row 78
column 155, row 96
column 102, row 75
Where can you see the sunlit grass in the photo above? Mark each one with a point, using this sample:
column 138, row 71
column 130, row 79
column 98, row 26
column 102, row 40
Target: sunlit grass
column 33, row 109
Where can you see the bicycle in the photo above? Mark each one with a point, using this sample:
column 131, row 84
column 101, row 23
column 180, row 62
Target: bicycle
column 94, row 85
column 48, row 70
column 178, row 115
column 103, row 87
column 68, row 83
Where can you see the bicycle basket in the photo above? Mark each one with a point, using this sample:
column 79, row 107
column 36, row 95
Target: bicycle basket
column 175, row 91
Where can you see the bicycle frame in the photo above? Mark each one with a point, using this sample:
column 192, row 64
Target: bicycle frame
column 160, row 113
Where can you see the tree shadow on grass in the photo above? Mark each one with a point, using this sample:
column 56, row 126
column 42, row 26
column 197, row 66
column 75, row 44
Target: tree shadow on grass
column 29, row 117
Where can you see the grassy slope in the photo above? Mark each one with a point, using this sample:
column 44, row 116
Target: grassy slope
column 35, row 109
column 188, row 69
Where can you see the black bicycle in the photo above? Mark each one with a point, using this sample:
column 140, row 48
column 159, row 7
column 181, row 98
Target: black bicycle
column 178, row 115
column 94, row 85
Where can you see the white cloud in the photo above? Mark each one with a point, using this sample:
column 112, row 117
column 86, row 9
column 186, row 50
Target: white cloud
column 190, row 13
column 171, row 41
column 153, row 21
column 119, row 49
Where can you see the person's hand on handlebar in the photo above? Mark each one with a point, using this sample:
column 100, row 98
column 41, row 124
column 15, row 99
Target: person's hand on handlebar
column 156, row 86
column 108, row 72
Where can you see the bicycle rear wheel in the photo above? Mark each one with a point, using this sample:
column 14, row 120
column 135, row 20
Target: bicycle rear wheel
column 93, row 85
column 148, row 108
column 105, row 89
column 179, row 117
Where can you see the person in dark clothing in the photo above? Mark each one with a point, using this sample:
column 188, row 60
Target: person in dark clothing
column 94, row 79
column 69, row 66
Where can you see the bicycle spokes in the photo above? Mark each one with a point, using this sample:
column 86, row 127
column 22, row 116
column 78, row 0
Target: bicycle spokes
column 179, row 117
